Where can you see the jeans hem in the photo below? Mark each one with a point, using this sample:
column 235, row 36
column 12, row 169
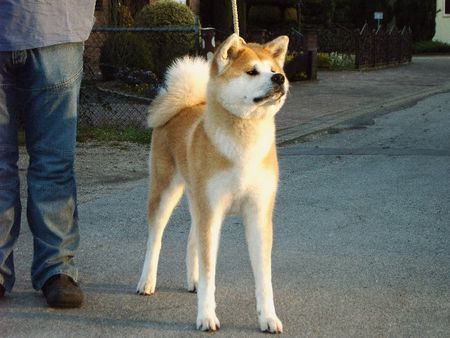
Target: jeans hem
column 71, row 272
column 7, row 284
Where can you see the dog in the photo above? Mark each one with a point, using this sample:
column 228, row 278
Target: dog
column 214, row 136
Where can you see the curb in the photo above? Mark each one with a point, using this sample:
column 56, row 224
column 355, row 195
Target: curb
column 292, row 135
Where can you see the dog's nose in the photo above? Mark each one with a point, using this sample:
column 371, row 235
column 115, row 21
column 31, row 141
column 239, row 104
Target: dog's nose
column 278, row 78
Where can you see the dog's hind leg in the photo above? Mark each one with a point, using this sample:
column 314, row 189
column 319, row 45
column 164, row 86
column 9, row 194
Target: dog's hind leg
column 192, row 260
column 192, row 252
column 166, row 190
column 258, row 226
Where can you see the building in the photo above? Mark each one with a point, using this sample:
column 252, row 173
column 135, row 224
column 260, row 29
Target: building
column 442, row 21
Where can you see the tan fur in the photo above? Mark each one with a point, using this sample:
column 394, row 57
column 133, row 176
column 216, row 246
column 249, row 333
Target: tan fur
column 228, row 163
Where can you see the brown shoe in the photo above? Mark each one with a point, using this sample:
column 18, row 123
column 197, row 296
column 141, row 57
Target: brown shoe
column 61, row 291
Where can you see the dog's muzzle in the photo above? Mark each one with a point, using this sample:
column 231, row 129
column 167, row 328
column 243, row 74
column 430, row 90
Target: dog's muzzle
column 277, row 90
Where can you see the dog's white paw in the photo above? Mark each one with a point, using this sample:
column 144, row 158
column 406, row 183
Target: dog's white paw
column 271, row 324
column 146, row 287
column 208, row 323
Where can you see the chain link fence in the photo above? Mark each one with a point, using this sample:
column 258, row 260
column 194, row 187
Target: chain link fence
column 117, row 90
column 116, row 93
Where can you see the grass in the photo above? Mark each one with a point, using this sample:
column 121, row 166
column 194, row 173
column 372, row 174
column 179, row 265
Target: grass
column 108, row 134
column 336, row 61
column 431, row 47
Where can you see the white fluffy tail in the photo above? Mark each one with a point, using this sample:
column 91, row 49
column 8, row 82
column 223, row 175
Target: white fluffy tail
column 186, row 81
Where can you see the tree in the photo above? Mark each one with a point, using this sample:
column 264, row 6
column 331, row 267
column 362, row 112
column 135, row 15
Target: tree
column 417, row 14
column 356, row 13
column 316, row 13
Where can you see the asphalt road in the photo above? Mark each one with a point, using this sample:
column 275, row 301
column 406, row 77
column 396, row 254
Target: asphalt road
column 362, row 246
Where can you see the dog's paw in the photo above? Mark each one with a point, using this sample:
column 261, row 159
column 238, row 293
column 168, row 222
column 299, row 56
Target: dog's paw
column 192, row 286
column 192, row 276
column 271, row 324
column 208, row 323
column 145, row 288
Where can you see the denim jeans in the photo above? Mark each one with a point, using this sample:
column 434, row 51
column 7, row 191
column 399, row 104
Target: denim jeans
column 42, row 85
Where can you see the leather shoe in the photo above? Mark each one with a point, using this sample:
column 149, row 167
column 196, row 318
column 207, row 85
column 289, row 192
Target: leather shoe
column 2, row 291
column 61, row 291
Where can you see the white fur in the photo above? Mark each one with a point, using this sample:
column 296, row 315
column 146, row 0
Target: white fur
column 242, row 190
column 231, row 149
column 247, row 187
column 239, row 94
column 186, row 82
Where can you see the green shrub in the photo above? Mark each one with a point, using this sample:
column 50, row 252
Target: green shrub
column 335, row 61
column 339, row 61
column 124, row 50
column 323, row 60
column 165, row 47
column 423, row 47
column 124, row 16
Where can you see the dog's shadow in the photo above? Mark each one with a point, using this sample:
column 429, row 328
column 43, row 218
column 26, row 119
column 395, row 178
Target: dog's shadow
column 113, row 305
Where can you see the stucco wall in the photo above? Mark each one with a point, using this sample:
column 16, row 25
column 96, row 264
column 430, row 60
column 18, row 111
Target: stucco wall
column 442, row 23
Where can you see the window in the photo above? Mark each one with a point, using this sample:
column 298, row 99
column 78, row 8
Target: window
column 447, row 7
column 99, row 5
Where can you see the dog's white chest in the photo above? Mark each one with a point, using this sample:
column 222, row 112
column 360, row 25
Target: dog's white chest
column 247, row 176
column 231, row 187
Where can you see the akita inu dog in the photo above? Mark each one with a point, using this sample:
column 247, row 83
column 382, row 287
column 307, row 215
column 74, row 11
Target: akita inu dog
column 214, row 134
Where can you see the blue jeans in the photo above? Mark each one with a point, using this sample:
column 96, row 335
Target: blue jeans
column 43, row 86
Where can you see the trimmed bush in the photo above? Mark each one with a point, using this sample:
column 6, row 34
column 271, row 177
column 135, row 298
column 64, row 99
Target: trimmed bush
column 165, row 47
column 431, row 47
column 124, row 50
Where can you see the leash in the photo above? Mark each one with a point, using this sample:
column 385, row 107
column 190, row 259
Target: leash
column 235, row 16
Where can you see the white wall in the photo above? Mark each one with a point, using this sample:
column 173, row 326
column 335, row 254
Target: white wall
column 442, row 23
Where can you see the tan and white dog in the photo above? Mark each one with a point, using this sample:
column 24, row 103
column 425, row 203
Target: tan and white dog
column 214, row 136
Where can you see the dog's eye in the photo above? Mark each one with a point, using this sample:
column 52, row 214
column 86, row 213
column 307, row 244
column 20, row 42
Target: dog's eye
column 253, row 72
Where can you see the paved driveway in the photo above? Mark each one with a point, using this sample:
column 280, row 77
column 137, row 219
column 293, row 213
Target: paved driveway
column 361, row 249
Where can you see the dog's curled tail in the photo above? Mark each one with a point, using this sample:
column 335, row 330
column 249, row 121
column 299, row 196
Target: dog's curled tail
column 186, row 81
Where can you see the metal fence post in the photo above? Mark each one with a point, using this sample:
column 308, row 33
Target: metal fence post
column 311, row 45
column 197, row 34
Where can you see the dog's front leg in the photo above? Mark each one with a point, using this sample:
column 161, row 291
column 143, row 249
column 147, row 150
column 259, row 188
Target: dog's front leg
column 258, row 225
column 208, row 236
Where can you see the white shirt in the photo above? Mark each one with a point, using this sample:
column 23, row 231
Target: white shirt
column 27, row 24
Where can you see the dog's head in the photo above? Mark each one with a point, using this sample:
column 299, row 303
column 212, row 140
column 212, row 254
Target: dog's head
column 248, row 79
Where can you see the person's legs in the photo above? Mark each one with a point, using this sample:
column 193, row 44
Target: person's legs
column 10, row 208
column 50, row 83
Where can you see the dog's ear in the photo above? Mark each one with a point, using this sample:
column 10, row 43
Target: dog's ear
column 228, row 51
column 278, row 48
